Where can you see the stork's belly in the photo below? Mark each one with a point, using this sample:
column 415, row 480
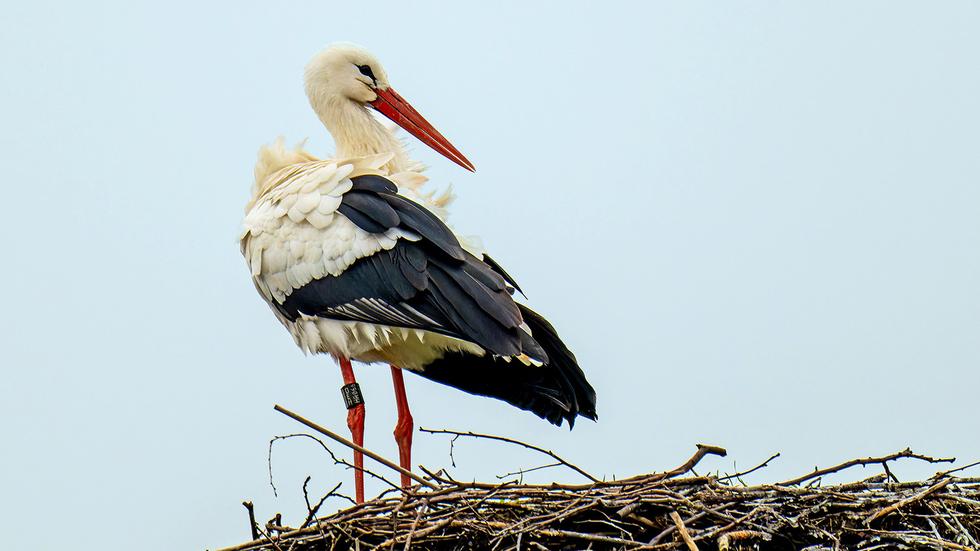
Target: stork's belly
column 367, row 342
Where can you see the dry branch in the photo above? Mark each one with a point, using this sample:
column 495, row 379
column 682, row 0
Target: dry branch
column 353, row 446
column 682, row 530
column 883, row 461
column 516, row 442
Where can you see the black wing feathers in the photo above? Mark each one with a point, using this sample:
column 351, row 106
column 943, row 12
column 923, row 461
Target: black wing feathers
column 492, row 264
column 374, row 206
column 368, row 212
column 372, row 182
column 464, row 308
column 427, row 225
column 361, row 219
column 486, row 275
column 433, row 284
column 556, row 391
column 455, row 293
column 488, row 298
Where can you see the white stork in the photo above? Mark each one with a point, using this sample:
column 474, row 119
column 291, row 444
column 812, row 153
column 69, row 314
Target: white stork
column 357, row 262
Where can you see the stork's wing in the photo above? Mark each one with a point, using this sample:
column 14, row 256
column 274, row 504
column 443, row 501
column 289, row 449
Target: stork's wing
column 425, row 281
column 322, row 243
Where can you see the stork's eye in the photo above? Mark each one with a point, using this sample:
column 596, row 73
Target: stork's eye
column 366, row 71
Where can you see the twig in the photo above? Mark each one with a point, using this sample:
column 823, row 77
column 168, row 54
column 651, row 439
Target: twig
column 267, row 536
column 739, row 475
column 556, row 533
column 426, row 531
column 415, row 525
column 275, row 524
column 949, row 472
column 918, row 539
column 670, row 529
column 517, row 442
column 908, row 501
column 355, row 447
column 435, row 476
column 703, row 450
column 252, row 526
column 306, row 494
column 333, row 457
column 682, row 530
column 311, row 516
column 522, row 472
column 867, row 461
column 888, row 473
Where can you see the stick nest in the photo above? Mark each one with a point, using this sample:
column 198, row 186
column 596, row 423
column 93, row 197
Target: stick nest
column 675, row 509
column 656, row 511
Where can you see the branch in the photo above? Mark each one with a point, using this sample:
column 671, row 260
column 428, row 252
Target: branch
column 907, row 501
column 519, row 443
column 951, row 471
column 336, row 460
column 739, row 475
column 253, row 528
column 355, row 447
column 522, row 472
column 313, row 510
column 333, row 457
column 703, row 450
column 867, row 461
column 683, row 531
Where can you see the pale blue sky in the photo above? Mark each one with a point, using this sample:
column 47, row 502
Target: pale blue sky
column 756, row 225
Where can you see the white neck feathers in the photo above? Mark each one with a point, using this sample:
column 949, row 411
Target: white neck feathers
column 357, row 133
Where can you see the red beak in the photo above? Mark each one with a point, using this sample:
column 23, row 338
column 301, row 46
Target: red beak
column 393, row 106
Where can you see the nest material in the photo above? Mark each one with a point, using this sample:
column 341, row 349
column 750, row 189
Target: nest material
column 657, row 511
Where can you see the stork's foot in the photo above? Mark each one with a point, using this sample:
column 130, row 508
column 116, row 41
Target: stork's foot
column 405, row 426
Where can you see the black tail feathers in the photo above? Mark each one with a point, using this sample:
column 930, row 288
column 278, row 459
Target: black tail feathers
column 555, row 391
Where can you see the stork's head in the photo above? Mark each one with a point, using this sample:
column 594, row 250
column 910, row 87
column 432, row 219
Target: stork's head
column 348, row 73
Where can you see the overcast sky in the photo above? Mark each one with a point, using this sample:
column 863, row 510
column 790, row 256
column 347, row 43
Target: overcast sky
column 757, row 226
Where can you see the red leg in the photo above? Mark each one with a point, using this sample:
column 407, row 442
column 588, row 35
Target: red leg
column 405, row 426
column 355, row 421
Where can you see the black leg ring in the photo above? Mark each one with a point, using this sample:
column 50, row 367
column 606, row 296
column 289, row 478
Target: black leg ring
column 352, row 395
